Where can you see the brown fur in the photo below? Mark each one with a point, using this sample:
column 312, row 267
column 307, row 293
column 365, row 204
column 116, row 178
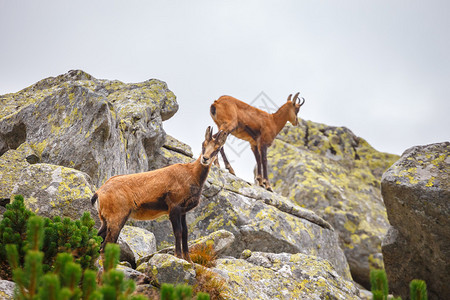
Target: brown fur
column 173, row 190
column 256, row 126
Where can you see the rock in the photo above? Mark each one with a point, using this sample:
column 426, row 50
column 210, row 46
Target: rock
column 221, row 240
column 100, row 127
column 337, row 175
column 416, row 191
column 135, row 243
column 48, row 190
column 283, row 276
column 7, row 289
column 172, row 152
column 62, row 137
column 166, row 268
column 259, row 221
column 131, row 273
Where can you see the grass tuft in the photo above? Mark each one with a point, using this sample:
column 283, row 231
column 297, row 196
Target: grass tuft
column 211, row 283
column 204, row 254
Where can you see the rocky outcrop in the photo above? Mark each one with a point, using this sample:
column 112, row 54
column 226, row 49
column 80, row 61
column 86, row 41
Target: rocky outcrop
column 259, row 220
column 337, row 175
column 255, row 275
column 64, row 136
column 99, row 127
column 416, row 191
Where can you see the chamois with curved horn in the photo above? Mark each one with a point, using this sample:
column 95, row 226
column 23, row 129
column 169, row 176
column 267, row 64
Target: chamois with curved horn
column 256, row 126
column 173, row 190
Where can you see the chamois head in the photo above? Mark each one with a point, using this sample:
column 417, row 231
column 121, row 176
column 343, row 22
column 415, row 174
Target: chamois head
column 294, row 107
column 212, row 145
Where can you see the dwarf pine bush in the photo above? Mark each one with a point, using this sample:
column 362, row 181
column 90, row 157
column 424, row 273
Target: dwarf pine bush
column 380, row 288
column 58, row 235
column 180, row 292
column 13, row 227
column 64, row 281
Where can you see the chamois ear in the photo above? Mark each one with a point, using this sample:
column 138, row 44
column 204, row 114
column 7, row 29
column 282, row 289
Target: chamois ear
column 289, row 98
column 208, row 134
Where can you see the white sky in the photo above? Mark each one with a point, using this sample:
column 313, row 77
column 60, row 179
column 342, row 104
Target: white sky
column 380, row 68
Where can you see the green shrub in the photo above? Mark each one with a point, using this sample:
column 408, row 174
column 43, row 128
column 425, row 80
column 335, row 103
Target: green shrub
column 13, row 227
column 76, row 237
column 64, row 282
column 379, row 284
column 380, row 289
column 180, row 292
column 55, row 259
column 418, row 290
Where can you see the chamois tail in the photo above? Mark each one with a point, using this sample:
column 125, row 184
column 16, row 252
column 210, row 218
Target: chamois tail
column 94, row 199
column 213, row 110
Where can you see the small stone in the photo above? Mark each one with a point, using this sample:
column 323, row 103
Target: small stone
column 246, row 254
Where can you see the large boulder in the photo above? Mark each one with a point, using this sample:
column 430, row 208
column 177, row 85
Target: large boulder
column 48, row 190
column 135, row 243
column 283, row 276
column 100, row 127
column 337, row 175
column 166, row 268
column 416, row 191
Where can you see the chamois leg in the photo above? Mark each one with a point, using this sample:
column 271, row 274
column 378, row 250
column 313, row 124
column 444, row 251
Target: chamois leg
column 102, row 231
column 225, row 160
column 175, row 219
column 184, row 238
column 113, row 230
column 111, row 236
column 216, row 161
column 258, row 177
column 264, row 163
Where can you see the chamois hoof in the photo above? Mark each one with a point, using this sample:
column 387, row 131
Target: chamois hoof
column 230, row 169
column 259, row 181
column 186, row 257
column 267, row 186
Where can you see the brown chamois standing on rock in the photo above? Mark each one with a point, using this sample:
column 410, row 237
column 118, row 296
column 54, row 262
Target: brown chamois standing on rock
column 256, row 126
column 173, row 190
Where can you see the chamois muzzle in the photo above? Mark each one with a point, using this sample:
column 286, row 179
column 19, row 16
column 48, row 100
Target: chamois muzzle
column 205, row 160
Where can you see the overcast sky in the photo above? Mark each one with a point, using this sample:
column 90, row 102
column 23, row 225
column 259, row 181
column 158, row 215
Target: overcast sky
column 380, row 68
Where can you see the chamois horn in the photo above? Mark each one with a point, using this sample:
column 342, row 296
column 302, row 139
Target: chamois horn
column 301, row 102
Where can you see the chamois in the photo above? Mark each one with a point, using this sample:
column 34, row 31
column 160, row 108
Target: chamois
column 256, row 126
column 172, row 190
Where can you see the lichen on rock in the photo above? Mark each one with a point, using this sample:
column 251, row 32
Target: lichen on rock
column 72, row 120
column 231, row 204
column 283, row 276
column 49, row 190
column 62, row 137
column 337, row 175
column 416, row 190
